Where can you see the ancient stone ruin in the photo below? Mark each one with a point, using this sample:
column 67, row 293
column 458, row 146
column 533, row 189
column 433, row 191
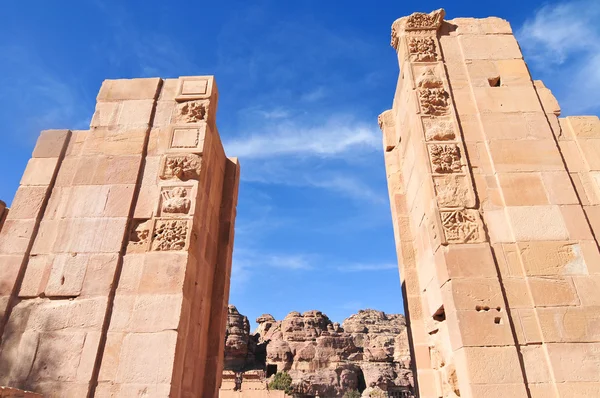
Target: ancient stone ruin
column 369, row 349
column 115, row 255
column 495, row 205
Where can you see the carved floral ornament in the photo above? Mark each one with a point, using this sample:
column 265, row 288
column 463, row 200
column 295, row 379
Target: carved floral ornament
column 445, row 158
column 169, row 234
column 182, row 167
column 416, row 22
column 422, row 49
column 192, row 111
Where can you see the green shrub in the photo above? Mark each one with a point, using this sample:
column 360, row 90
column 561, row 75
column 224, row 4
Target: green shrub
column 282, row 381
column 352, row 394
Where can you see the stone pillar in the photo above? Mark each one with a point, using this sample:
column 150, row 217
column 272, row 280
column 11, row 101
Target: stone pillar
column 494, row 208
column 113, row 291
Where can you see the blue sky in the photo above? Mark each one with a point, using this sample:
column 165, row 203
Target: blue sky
column 301, row 84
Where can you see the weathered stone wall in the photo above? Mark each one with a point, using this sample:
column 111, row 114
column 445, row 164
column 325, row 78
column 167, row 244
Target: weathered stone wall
column 116, row 253
column 3, row 213
column 495, row 211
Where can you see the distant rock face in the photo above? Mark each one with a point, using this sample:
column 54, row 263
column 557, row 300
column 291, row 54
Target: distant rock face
column 324, row 358
column 237, row 338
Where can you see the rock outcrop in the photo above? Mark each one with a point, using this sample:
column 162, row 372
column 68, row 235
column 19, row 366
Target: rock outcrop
column 369, row 349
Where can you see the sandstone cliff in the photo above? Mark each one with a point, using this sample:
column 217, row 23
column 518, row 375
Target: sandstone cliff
column 369, row 349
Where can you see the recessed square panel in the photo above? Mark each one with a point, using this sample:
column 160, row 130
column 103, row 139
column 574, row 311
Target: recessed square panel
column 187, row 139
column 191, row 87
column 196, row 87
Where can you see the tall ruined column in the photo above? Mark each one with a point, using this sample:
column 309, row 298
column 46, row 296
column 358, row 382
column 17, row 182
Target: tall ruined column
column 497, row 257
column 111, row 251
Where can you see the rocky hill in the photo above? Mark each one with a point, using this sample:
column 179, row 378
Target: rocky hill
column 369, row 349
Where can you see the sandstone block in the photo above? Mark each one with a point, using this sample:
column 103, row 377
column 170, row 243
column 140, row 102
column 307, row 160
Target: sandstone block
column 584, row 126
column 36, row 276
column 526, row 326
column 479, row 328
column 517, row 293
column 110, row 142
column 163, row 273
column 66, row 172
column 490, row 47
column 508, row 99
column 481, row 294
column 576, row 222
column 15, row 236
column 573, row 156
column 569, row 324
column 106, row 114
column 480, row 365
column 551, row 292
column 129, row 89
column 498, row 226
column 99, row 275
column 67, row 275
column 575, row 362
column 58, row 356
column 9, row 269
column 51, row 143
column 531, row 223
column 137, row 364
column 28, row 202
column 39, row 171
column 523, row 189
column 527, row 155
column 136, row 113
column 559, row 188
column 155, row 313
column 552, row 258
column 46, row 237
column 464, row 261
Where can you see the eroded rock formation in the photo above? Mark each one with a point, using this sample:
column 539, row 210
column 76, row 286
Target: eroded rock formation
column 369, row 349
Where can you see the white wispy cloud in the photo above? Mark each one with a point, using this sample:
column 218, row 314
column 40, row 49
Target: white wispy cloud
column 562, row 42
column 336, row 135
column 366, row 267
column 59, row 102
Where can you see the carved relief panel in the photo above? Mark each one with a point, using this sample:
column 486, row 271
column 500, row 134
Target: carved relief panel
column 181, row 167
column 191, row 112
column 453, row 191
column 170, row 234
column 176, row 200
column 438, row 129
column 139, row 236
column 462, row 226
column 445, row 158
column 422, row 49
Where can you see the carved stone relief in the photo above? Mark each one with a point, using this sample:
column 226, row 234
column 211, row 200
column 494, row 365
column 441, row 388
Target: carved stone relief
column 183, row 167
column 453, row 191
column 428, row 79
column 169, row 234
column 461, row 226
column 191, row 111
column 438, row 129
column 422, row 49
column 419, row 20
column 434, row 101
column 445, row 158
column 174, row 200
column 139, row 236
